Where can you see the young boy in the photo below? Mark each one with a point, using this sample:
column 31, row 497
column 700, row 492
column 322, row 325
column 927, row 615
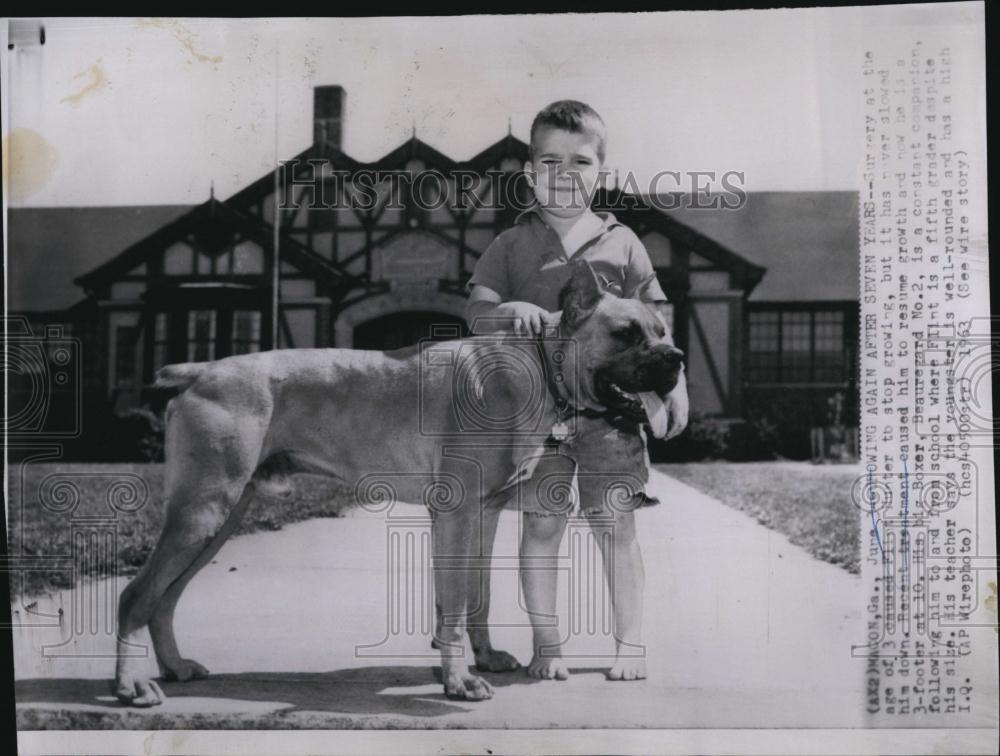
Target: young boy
column 516, row 286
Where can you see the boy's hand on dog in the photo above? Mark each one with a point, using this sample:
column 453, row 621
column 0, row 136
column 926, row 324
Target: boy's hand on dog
column 528, row 319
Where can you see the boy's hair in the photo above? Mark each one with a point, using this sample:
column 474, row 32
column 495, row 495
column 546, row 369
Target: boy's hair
column 573, row 116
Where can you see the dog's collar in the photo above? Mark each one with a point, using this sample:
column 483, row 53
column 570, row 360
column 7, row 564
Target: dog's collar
column 565, row 409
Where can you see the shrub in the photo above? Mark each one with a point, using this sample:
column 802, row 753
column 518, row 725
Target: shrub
column 137, row 436
column 785, row 416
column 715, row 438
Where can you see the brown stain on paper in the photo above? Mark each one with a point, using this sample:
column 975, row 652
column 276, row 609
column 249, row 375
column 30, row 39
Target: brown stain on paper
column 184, row 36
column 97, row 79
column 991, row 603
column 29, row 161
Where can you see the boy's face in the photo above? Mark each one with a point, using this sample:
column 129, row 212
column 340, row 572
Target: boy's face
column 564, row 171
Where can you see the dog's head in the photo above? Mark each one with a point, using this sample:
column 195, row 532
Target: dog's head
column 622, row 347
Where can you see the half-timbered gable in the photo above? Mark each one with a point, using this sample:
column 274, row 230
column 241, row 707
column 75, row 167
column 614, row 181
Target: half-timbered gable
column 200, row 288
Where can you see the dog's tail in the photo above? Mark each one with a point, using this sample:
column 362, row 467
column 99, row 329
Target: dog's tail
column 179, row 376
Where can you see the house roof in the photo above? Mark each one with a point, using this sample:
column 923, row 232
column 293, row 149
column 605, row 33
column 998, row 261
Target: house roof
column 808, row 241
column 648, row 217
column 213, row 214
column 48, row 247
column 394, row 160
column 508, row 146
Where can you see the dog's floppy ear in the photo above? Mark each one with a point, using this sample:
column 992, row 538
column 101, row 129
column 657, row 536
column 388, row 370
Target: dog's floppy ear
column 580, row 296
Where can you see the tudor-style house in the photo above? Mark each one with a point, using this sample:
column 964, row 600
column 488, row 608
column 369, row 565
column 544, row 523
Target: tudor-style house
column 764, row 298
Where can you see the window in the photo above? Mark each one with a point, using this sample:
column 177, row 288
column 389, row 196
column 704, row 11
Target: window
column 126, row 337
column 828, row 343
column 246, row 331
column 161, row 341
column 201, row 335
column 797, row 346
column 765, row 353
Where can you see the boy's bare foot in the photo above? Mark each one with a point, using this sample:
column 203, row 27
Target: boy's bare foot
column 548, row 668
column 628, row 669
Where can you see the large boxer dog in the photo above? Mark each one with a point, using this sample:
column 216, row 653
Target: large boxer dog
column 447, row 424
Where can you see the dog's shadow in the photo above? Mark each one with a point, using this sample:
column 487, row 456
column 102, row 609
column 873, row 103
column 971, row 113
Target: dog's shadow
column 358, row 690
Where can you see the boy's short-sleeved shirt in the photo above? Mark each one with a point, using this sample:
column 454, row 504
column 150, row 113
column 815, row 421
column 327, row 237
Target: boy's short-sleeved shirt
column 527, row 263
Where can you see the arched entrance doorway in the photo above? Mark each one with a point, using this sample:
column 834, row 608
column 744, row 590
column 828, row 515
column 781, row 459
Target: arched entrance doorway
column 400, row 329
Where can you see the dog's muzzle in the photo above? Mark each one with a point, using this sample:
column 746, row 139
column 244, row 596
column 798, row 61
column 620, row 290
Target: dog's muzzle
column 655, row 369
column 660, row 372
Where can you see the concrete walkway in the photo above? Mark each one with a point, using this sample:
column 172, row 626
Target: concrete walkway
column 742, row 629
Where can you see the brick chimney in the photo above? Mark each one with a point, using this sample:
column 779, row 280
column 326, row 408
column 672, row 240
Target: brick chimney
column 328, row 115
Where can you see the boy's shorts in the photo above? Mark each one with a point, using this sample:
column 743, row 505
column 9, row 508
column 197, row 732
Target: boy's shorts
column 601, row 470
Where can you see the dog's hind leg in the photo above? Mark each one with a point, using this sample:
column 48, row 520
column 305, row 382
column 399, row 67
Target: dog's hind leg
column 211, row 456
column 161, row 624
column 191, row 536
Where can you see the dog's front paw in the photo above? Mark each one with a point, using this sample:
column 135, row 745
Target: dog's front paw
column 141, row 692
column 466, row 686
column 184, row 670
column 628, row 669
column 492, row 660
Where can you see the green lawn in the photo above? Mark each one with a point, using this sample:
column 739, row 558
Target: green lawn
column 809, row 504
column 34, row 530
